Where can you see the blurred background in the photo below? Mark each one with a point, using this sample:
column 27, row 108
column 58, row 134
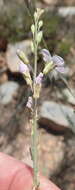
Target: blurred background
column 56, row 123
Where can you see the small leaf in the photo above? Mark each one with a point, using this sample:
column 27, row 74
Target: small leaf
column 39, row 37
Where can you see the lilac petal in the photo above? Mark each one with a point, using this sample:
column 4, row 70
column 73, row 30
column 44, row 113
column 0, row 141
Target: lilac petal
column 29, row 103
column 60, row 69
column 59, row 61
column 23, row 68
column 39, row 78
column 46, row 55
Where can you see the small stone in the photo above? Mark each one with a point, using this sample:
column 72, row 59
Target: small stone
column 11, row 56
column 66, row 11
column 56, row 116
column 7, row 91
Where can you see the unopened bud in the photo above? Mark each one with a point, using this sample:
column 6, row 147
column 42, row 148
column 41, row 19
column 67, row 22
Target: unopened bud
column 39, row 36
column 40, row 24
column 40, row 12
column 23, row 68
column 39, row 78
column 37, row 86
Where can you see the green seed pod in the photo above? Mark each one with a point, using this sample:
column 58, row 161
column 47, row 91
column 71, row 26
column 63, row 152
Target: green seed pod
column 28, row 79
column 33, row 29
column 40, row 24
column 37, row 90
column 22, row 56
column 39, row 37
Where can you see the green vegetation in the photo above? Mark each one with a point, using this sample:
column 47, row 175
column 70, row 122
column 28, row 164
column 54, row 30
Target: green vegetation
column 64, row 47
column 51, row 27
column 14, row 22
column 51, row 24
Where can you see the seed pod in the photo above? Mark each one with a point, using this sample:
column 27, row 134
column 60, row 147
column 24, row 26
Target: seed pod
column 22, row 56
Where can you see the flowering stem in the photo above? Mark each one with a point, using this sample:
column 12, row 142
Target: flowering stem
column 34, row 132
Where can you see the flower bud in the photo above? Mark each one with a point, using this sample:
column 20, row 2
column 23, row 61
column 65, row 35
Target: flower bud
column 38, row 79
column 23, row 68
column 29, row 103
column 40, row 12
column 40, row 24
column 39, row 36
column 37, row 85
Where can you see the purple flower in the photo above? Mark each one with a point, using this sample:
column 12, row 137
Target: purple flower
column 38, row 79
column 23, row 68
column 57, row 60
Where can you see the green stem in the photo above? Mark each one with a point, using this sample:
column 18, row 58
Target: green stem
column 34, row 132
column 35, row 154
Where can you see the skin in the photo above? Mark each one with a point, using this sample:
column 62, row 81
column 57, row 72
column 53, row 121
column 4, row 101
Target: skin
column 15, row 175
